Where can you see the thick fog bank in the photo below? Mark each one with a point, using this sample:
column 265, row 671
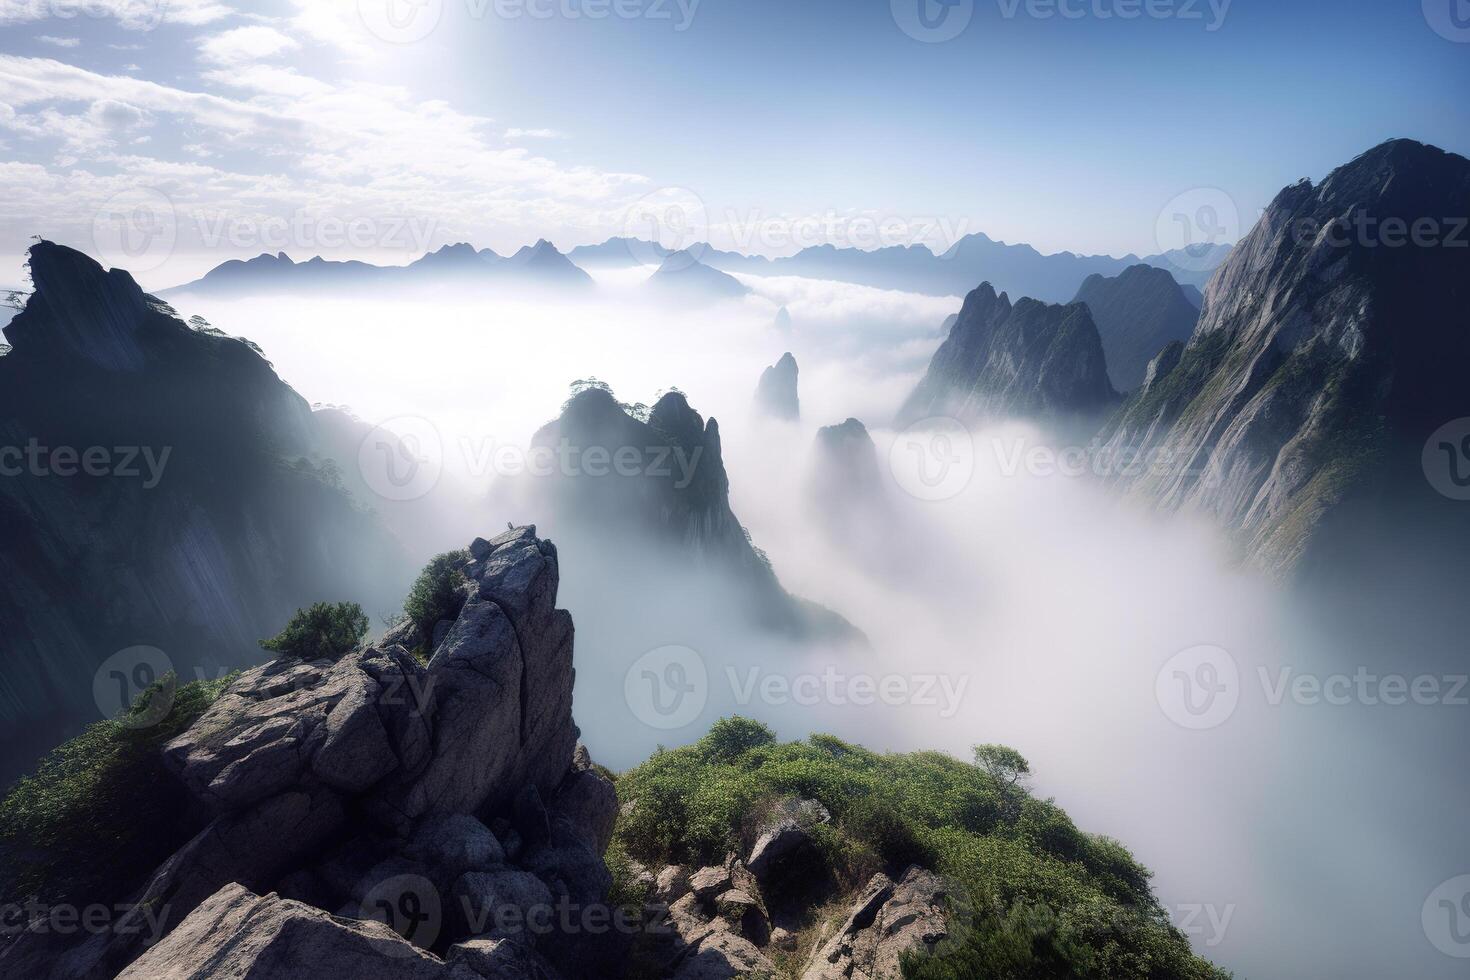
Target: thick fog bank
column 1296, row 827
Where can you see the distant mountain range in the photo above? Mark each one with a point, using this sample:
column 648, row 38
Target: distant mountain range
column 1018, row 269
column 536, row 266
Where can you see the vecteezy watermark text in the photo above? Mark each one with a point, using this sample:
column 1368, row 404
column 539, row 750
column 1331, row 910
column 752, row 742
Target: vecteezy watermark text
column 1201, row 687
column 95, row 919
column 839, row 688
column 936, row 21
column 123, row 462
column 668, row 688
column 567, row 459
column 409, row 21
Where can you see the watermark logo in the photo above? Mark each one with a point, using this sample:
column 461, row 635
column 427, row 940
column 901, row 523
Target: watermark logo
column 1362, row 229
column 1202, row 922
column 400, row 21
column 671, row 219
column 408, row 904
column 1016, row 455
column 668, row 687
column 838, row 688
column 1450, row 19
column 143, row 463
column 1446, row 917
column 1194, row 224
column 402, row 458
column 1446, row 459
column 136, row 230
column 125, row 676
column 302, row 229
column 932, row 21
column 145, row 921
column 933, row 459
column 1211, row 13
column 566, row 459
column 132, row 15
column 1198, row 688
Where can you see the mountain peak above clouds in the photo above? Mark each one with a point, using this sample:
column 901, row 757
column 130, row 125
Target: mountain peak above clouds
column 1329, row 351
column 1138, row 312
column 1028, row 360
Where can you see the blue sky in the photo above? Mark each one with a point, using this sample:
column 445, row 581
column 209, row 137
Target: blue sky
column 1064, row 123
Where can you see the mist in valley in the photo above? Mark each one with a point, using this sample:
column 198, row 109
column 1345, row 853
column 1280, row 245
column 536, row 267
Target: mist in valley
column 1001, row 601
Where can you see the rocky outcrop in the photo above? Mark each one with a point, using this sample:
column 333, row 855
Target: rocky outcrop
column 174, row 465
column 720, row 925
column 1138, row 313
column 887, row 921
column 733, row 919
column 1161, row 365
column 447, row 799
column 776, row 394
column 1028, row 360
column 659, row 482
column 1327, row 354
column 236, row 933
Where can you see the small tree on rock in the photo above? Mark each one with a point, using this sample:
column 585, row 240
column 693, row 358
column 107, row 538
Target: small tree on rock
column 321, row 631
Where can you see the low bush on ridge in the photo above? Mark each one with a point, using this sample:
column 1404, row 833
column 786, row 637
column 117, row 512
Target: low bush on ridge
column 1034, row 896
column 101, row 811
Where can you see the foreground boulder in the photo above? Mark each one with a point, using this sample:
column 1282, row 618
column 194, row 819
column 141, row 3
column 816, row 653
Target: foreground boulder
column 239, row 934
column 887, row 921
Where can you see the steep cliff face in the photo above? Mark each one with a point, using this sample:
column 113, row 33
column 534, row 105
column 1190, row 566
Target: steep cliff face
column 661, row 484
column 1331, row 346
column 1138, row 313
column 1027, row 360
column 776, row 394
column 178, row 473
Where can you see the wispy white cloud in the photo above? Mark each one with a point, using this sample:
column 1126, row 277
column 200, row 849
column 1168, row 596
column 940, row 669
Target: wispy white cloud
column 242, row 45
column 534, row 134
column 59, row 42
column 268, row 140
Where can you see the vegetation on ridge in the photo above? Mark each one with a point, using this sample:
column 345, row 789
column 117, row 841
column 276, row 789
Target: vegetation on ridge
column 1034, row 896
column 101, row 811
column 321, row 631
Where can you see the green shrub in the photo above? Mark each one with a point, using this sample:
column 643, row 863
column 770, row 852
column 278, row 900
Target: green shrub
column 730, row 738
column 1034, row 896
column 100, row 811
column 321, row 631
column 436, row 592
